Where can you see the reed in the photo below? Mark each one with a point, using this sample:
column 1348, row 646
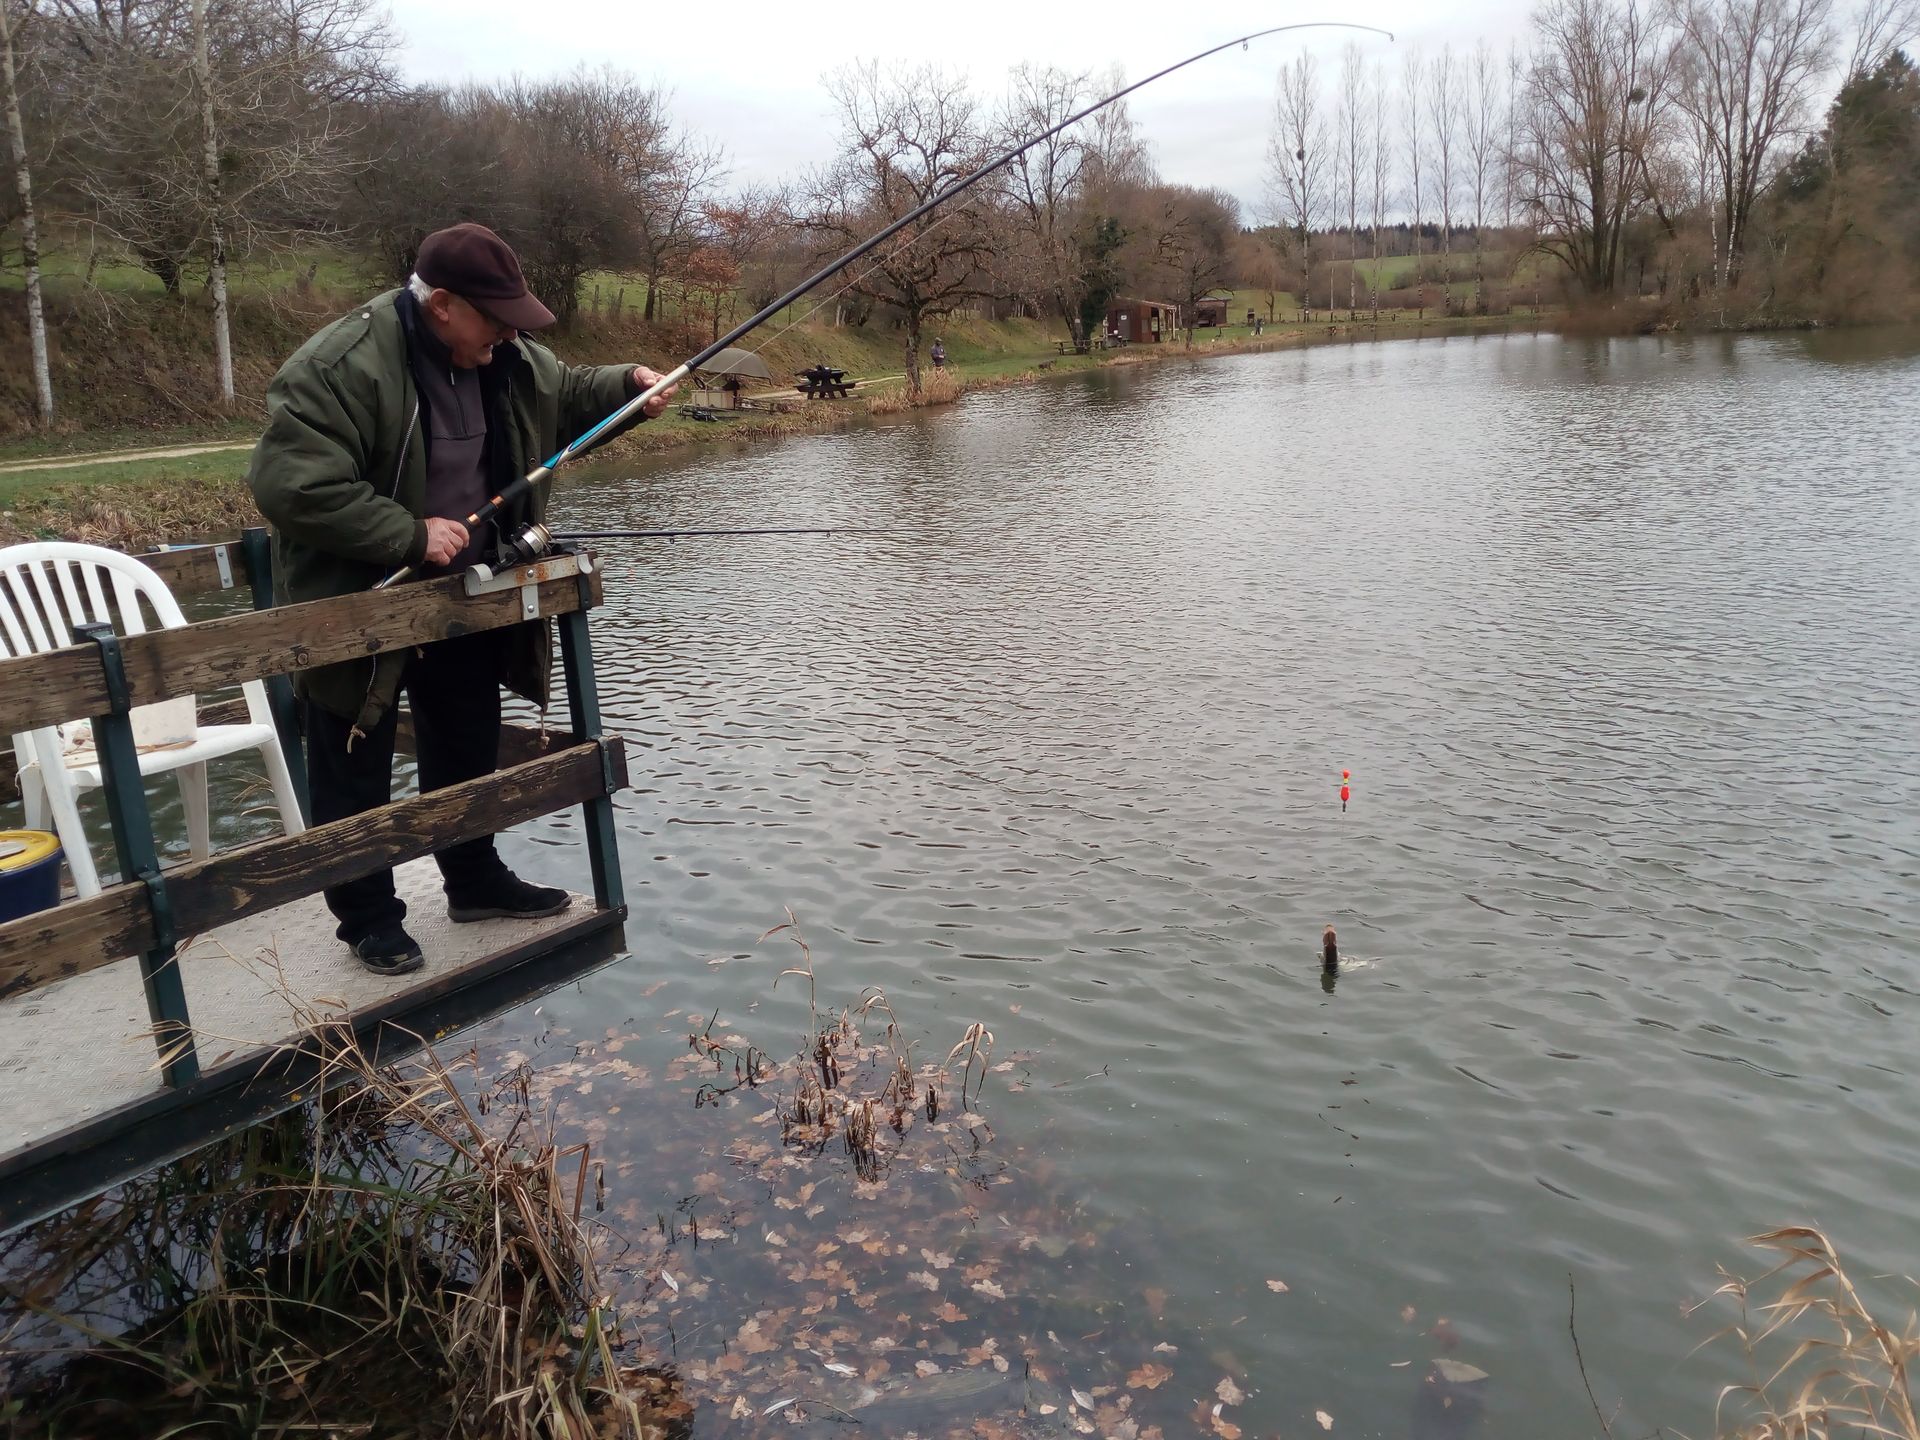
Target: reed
column 844, row 1085
column 1825, row 1361
column 405, row 1253
column 937, row 387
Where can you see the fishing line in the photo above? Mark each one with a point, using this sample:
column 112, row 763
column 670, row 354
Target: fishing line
column 590, row 437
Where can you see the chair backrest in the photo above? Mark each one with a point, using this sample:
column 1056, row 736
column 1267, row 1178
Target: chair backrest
column 47, row 586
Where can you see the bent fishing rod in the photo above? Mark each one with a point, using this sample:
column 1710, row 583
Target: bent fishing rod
column 534, row 540
column 585, row 441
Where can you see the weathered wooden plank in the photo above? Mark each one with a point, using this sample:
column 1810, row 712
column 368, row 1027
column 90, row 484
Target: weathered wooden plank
column 83, row 934
column 73, row 938
column 68, row 684
column 192, row 569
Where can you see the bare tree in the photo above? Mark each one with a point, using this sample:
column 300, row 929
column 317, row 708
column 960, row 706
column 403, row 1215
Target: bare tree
column 1117, row 153
column 1195, row 244
column 1351, row 125
column 1043, row 185
column 1443, row 109
column 1879, row 27
column 1748, row 73
column 569, row 207
column 904, row 137
column 1412, row 88
column 1483, row 122
column 1380, row 161
column 1596, row 100
column 29, row 228
column 1298, row 160
column 198, row 135
column 671, row 204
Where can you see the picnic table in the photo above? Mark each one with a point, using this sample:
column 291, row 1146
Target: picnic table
column 823, row 381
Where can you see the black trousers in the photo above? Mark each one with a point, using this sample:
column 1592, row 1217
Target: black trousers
column 454, row 692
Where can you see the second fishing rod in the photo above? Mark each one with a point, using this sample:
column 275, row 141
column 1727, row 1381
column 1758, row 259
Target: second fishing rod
column 586, row 440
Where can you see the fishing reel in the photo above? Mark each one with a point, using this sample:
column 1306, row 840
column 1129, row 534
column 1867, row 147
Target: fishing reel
column 533, row 541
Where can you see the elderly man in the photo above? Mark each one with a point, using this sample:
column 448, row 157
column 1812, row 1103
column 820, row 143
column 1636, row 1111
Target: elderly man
column 384, row 431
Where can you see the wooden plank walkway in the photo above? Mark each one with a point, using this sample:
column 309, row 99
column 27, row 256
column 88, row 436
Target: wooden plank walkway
column 81, row 1048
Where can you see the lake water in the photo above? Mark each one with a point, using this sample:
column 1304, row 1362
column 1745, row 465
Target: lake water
column 1620, row 640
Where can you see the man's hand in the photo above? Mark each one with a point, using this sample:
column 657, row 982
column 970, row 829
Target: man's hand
column 654, row 408
column 445, row 539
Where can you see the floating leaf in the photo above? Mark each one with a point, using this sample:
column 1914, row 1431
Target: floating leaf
column 925, row 1368
column 988, row 1287
column 1326, row 1420
column 1163, row 1348
column 925, row 1278
column 1407, row 1312
column 1279, row 1287
column 1150, row 1377
column 1225, row 1429
column 1083, row 1399
column 1230, row 1393
column 837, row 1368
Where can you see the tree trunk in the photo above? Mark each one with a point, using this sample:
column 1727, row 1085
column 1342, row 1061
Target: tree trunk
column 29, row 231
column 913, row 352
column 210, row 143
column 653, row 285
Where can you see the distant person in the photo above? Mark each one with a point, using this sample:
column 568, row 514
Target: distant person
column 1250, row 318
column 939, row 354
column 383, row 432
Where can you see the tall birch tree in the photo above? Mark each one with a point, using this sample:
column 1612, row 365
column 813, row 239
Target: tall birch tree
column 29, row 226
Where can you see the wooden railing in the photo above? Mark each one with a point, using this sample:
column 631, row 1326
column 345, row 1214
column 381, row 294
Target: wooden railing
column 152, row 911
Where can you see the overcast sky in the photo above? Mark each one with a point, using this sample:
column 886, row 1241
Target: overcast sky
column 747, row 73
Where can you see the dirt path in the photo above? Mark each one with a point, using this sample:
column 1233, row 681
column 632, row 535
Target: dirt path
column 110, row 457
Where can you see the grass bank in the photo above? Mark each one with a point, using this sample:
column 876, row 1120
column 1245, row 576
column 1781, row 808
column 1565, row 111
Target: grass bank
column 132, row 503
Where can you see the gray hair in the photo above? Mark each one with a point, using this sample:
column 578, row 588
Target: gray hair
column 418, row 288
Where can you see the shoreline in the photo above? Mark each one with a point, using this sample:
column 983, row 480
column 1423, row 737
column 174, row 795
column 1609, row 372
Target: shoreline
column 134, row 502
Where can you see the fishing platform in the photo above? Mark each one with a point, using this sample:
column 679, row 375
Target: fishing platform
column 167, row 1011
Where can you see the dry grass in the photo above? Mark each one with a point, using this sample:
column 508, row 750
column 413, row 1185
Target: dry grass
column 404, row 1255
column 937, row 387
column 1825, row 1363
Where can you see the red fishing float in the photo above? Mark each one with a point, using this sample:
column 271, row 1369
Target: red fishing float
column 1346, row 790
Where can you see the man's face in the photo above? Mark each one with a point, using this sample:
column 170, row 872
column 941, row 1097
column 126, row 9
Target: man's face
column 465, row 329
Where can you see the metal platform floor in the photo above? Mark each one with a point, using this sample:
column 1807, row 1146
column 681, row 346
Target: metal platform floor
column 78, row 1063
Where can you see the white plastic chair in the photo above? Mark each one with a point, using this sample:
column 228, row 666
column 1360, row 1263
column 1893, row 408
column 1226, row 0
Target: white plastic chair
column 48, row 585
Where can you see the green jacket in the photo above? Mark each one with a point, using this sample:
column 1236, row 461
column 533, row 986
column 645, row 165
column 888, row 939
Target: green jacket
column 341, row 473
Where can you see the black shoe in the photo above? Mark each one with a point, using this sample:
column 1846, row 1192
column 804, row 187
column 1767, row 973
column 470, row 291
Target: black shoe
column 389, row 952
column 508, row 898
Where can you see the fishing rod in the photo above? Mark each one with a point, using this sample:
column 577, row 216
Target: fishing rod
column 534, row 540
column 681, row 534
column 588, row 438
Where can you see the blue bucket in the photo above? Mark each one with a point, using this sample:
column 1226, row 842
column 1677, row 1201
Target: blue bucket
column 29, row 872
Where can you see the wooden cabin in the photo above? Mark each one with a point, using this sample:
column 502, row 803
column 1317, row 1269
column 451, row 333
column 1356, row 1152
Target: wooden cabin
column 1210, row 311
column 1142, row 322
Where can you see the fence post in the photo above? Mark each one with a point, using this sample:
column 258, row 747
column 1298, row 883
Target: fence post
column 583, row 704
column 140, row 860
column 256, row 553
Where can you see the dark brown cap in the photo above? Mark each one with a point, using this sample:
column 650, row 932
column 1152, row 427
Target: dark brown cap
column 477, row 265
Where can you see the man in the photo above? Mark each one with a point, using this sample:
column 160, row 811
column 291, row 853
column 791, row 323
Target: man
column 384, row 431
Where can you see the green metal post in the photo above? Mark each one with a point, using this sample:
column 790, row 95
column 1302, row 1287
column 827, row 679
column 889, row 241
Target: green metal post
column 583, row 703
column 140, row 860
column 256, row 553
